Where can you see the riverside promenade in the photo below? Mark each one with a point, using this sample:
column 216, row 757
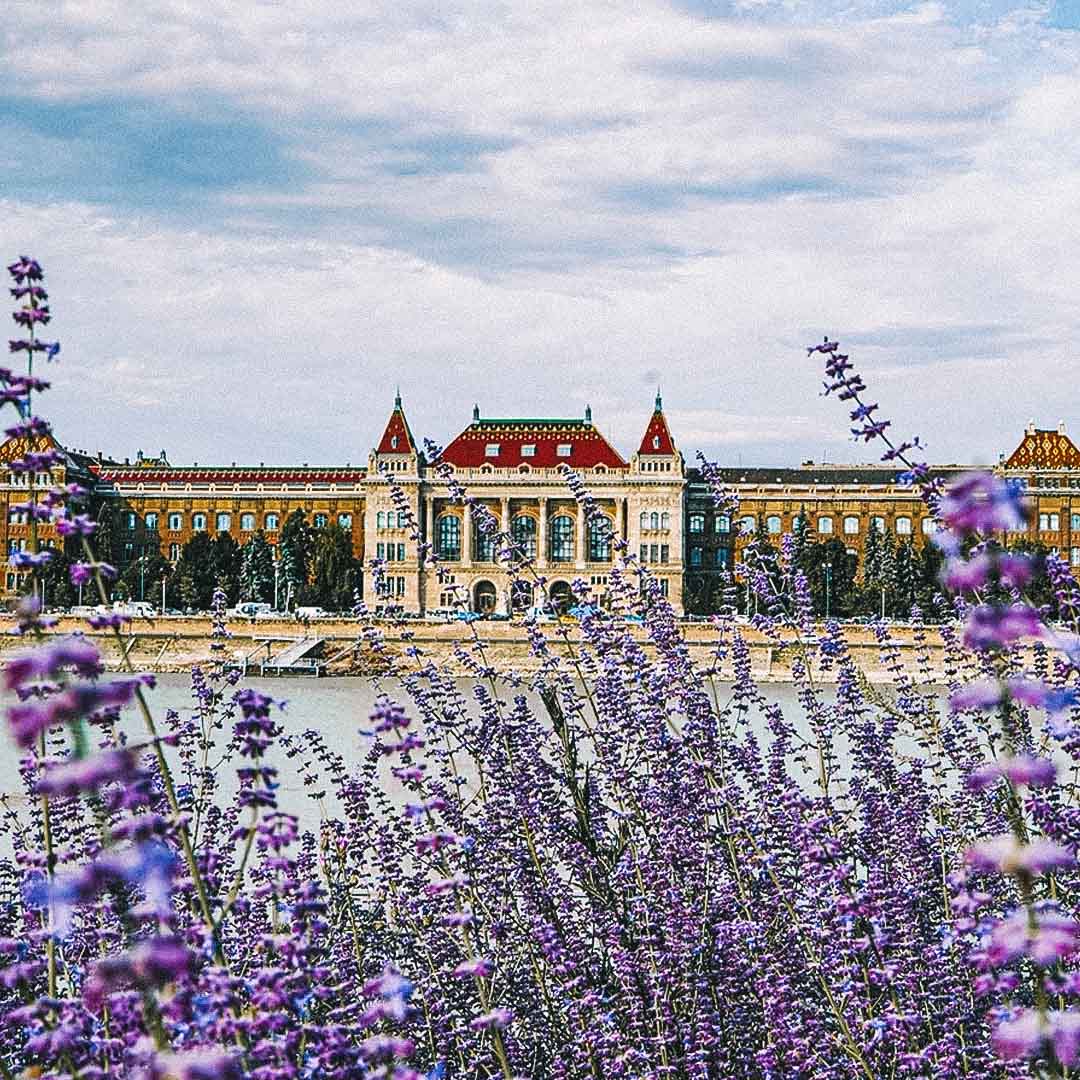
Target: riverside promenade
column 174, row 643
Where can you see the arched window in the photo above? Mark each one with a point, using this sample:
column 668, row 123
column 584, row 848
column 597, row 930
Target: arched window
column 176, row 522
column 345, row 521
column 222, row 522
column 600, row 540
column 198, row 522
column 929, row 526
column 247, row 522
column 272, row 522
column 722, row 523
column 402, row 520
column 523, row 530
column 1074, row 556
column 380, row 520
column 824, row 526
column 877, row 524
column 665, row 520
column 695, row 556
column 903, row 526
column 449, row 537
column 483, row 544
column 851, row 526
column 319, row 521
column 773, row 525
column 654, row 520
column 747, row 524
column 562, row 538
column 644, row 522
column 697, row 523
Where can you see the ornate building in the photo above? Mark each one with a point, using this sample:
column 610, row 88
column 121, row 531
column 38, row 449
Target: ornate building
column 664, row 511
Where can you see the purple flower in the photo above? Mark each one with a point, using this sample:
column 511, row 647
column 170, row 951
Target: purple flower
column 1025, row 1035
column 87, row 774
column 44, row 663
column 496, row 1019
column 473, row 969
column 1021, row 770
column 79, row 525
column 1053, row 938
column 982, row 503
column 990, row 627
column 967, row 575
column 1006, row 854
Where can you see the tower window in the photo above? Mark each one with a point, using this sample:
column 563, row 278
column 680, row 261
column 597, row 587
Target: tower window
column 491, row 449
column 656, row 442
column 393, row 442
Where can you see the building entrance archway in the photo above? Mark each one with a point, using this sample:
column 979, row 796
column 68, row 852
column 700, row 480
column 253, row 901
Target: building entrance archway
column 485, row 597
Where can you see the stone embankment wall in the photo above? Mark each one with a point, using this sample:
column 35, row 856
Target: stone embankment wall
column 175, row 643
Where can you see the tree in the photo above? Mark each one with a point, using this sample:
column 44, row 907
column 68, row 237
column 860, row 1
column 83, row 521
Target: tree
column 195, row 572
column 297, row 544
column 905, row 580
column 141, row 580
column 333, row 569
column 225, row 558
column 257, row 570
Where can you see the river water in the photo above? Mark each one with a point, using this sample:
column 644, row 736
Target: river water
column 337, row 708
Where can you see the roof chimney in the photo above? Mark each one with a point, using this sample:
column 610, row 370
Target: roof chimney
column 1030, row 430
column 1061, row 427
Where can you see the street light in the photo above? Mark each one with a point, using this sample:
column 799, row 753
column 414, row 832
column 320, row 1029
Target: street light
column 827, row 567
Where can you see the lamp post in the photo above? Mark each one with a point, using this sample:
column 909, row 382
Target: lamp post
column 827, row 567
column 277, row 573
column 163, row 594
column 883, row 602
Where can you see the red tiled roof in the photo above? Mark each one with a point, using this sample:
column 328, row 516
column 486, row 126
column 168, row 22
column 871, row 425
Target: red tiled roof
column 1045, row 450
column 397, row 438
column 588, row 448
column 239, row 475
column 657, row 438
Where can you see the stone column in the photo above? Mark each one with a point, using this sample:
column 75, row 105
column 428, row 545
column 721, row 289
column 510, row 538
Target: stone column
column 504, row 515
column 429, row 520
column 620, row 525
column 580, row 537
column 541, row 535
column 467, row 536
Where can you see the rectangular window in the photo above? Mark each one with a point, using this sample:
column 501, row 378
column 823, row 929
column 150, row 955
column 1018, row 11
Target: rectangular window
column 151, row 521
column 380, row 551
column 129, row 521
column 401, row 552
column 664, row 552
column 1074, row 556
column 563, row 449
column 695, row 556
column 644, row 553
column 320, row 521
column 1075, row 521
column 697, row 523
column 529, row 450
column 401, row 586
column 1049, row 522
column 663, row 586
column 491, row 450
column 174, row 552
column 654, row 552
column 722, row 557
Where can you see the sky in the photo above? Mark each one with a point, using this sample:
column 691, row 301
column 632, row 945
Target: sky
column 258, row 218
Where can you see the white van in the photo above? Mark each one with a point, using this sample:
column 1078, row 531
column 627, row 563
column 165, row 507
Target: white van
column 311, row 613
column 135, row 609
column 250, row 609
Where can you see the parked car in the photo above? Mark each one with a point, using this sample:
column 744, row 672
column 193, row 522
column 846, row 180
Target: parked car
column 311, row 613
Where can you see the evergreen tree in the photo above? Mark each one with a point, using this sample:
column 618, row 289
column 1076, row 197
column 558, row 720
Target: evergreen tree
column 905, row 579
column 257, row 570
column 141, row 580
column 225, row 557
column 931, row 559
column 195, row 572
column 296, row 552
column 333, row 569
column 872, row 577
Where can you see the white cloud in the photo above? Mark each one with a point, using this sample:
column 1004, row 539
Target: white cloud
column 526, row 204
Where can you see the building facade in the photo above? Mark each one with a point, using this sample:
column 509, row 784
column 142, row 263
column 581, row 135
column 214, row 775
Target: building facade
column 514, row 468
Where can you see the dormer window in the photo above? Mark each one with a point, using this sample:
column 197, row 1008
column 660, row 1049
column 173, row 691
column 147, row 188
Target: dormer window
column 656, row 442
column 491, row 449
column 529, row 450
column 563, row 449
column 393, row 442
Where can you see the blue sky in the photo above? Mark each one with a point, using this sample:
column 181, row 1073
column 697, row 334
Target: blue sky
column 259, row 218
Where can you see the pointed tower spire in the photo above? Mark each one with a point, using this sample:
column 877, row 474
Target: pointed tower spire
column 476, row 414
column 588, row 414
column 396, row 437
column 657, row 438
